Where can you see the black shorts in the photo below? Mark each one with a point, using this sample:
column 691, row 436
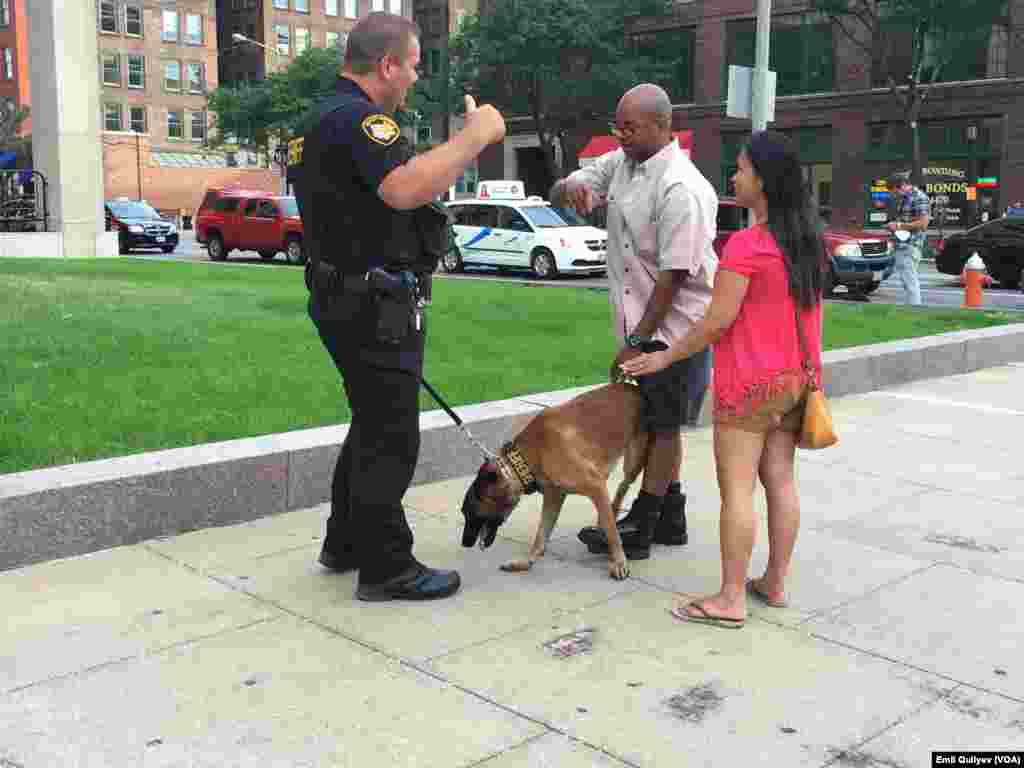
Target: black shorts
column 674, row 396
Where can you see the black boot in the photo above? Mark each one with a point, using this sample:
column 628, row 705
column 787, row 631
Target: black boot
column 635, row 529
column 671, row 527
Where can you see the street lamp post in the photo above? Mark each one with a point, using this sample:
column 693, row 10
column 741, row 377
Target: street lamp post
column 280, row 153
column 238, row 37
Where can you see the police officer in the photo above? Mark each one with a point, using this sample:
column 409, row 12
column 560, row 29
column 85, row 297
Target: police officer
column 373, row 236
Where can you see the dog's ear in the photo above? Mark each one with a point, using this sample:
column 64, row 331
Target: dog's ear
column 471, row 513
column 490, row 530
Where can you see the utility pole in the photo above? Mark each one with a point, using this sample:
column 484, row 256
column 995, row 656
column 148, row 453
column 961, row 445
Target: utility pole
column 761, row 94
column 446, row 129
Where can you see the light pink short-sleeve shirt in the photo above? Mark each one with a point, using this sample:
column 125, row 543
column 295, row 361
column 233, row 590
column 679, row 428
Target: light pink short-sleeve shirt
column 661, row 216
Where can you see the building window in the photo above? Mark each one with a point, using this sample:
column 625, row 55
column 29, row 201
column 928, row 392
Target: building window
column 133, row 20
column 193, row 29
column 396, row 7
column 672, row 50
column 136, row 71
column 331, row 7
column 378, row 5
column 111, row 69
column 801, row 55
column 284, row 39
column 997, row 51
column 175, row 124
column 301, row 40
column 9, row 64
column 198, row 126
column 170, row 22
column 332, row 40
column 112, row 117
column 281, row 4
column 172, row 75
column 137, row 115
column 196, row 82
column 5, row 13
column 351, row 9
column 108, row 17
column 302, row 6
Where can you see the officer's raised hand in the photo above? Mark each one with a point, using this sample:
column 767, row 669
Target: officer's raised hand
column 486, row 121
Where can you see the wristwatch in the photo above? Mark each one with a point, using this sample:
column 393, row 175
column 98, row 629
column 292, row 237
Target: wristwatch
column 635, row 340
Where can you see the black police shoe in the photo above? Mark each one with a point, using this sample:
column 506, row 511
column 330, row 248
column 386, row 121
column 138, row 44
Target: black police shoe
column 338, row 562
column 671, row 527
column 634, row 529
column 417, row 582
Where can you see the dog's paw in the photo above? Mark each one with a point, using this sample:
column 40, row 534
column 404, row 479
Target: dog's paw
column 517, row 566
column 619, row 570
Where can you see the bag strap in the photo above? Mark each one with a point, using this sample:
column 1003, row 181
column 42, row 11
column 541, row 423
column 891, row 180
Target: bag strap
column 808, row 363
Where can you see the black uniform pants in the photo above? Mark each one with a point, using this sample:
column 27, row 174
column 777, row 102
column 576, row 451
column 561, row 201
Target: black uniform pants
column 379, row 454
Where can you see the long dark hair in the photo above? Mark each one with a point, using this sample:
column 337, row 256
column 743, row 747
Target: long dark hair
column 792, row 220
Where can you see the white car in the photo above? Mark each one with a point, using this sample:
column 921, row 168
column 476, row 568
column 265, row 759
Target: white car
column 504, row 228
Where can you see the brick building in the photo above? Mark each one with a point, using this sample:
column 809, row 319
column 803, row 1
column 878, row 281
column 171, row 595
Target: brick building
column 437, row 20
column 282, row 29
column 158, row 61
column 14, row 78
column 833, row 101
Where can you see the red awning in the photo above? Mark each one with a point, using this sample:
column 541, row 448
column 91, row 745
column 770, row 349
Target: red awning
column 601, row 145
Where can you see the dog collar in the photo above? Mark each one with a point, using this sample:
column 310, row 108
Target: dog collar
column 513, row 465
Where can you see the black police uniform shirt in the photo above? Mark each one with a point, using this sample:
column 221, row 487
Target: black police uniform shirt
column 336, row 169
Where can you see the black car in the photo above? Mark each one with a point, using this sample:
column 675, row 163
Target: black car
column 999, row 242
column 138, row 225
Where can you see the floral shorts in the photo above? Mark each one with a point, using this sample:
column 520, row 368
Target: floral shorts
column 777, row 404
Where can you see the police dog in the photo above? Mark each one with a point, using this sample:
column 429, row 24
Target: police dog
column 570, row 448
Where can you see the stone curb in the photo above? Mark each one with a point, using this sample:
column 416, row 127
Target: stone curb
column 78, row 508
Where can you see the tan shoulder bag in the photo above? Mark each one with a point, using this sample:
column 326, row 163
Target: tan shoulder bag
column 817, row 431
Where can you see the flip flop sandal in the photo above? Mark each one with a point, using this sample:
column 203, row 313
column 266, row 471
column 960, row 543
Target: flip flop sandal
column 762, row 598
column 705, row 617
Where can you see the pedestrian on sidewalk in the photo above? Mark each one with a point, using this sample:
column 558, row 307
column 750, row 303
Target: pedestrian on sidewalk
column 908, row 227
column 373, row 233
column 771, row 276
column 661, row 267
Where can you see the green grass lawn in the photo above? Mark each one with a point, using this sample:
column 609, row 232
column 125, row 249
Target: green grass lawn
column 114, row 357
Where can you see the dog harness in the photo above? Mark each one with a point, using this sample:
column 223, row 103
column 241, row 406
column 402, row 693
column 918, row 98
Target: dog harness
column 512, row 464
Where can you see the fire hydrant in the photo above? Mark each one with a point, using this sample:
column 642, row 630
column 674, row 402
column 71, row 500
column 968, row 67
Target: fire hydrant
column 974, row 281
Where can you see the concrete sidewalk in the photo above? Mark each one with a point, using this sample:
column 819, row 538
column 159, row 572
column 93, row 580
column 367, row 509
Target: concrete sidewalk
column 231, row 647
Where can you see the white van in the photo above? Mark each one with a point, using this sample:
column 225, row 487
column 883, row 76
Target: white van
column 504, row 228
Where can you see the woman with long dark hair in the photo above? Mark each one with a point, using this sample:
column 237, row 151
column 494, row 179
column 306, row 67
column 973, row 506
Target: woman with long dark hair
column 769, row 279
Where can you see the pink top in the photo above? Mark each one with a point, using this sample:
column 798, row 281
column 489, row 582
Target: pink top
column 760, row 351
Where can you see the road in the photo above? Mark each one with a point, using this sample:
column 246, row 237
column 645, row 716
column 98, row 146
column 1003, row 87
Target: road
column 937, row 290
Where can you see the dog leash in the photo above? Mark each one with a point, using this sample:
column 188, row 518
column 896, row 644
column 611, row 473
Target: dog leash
column 488, row 455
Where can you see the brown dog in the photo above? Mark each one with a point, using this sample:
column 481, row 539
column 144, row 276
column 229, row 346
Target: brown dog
column 570, row 448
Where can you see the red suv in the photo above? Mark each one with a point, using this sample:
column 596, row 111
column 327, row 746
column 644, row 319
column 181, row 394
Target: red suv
column 859, row 260
column 248, row 220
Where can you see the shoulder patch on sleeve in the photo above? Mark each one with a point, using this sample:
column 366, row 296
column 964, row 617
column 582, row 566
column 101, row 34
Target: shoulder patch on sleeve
column 381, row 129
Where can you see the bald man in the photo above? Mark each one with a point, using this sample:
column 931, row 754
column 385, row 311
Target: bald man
column 661, row 266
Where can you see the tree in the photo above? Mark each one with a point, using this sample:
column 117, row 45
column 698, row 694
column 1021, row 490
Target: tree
column 565, row 63
column 11, row 118
column 272, row 110
column 936, row 33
